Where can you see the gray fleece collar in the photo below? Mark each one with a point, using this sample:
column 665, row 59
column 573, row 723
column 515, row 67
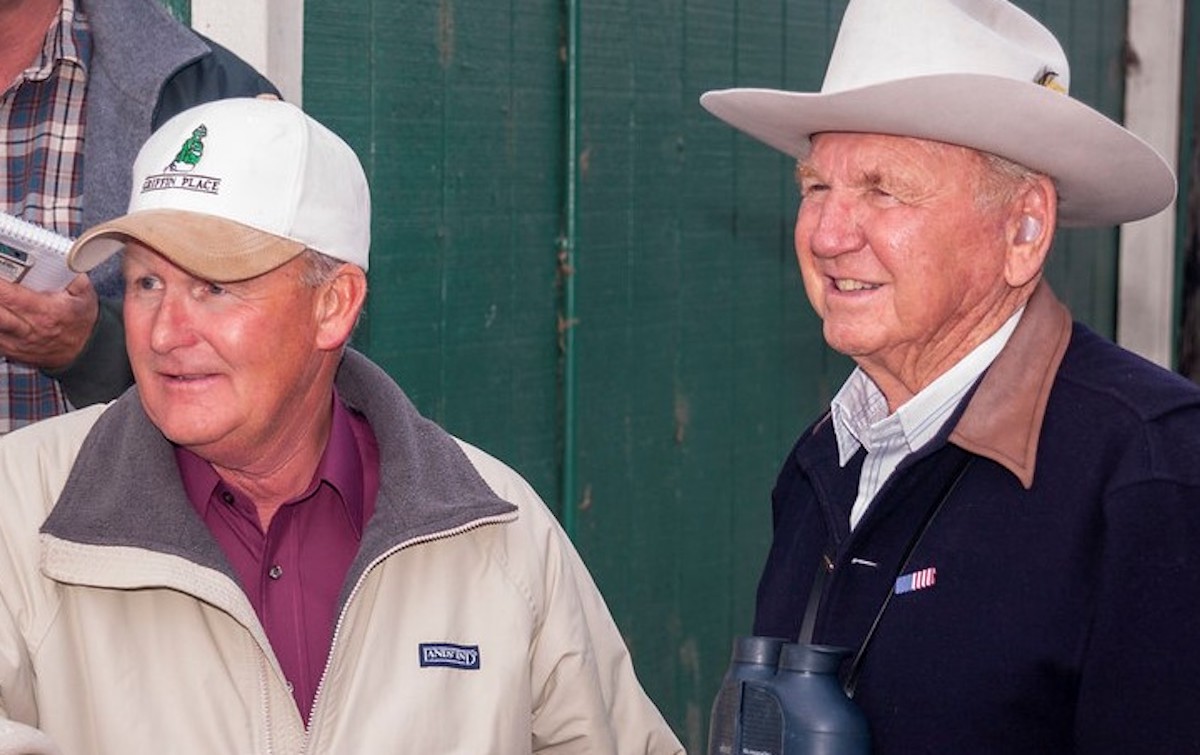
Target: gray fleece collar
column 124, row 488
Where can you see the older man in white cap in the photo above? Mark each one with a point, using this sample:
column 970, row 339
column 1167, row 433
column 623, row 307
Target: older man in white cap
column 1000, row 514
column 263, row 547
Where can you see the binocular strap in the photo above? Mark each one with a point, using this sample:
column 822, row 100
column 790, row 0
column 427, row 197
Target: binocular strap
column 825, row 567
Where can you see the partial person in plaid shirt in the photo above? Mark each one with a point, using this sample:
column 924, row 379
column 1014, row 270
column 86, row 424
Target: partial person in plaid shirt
column 84, row 83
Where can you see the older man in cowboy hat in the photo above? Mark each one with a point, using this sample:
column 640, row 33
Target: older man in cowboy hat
column 263, row 547
column 1000, row 514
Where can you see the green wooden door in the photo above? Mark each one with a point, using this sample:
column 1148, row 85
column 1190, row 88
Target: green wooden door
column 696, row 360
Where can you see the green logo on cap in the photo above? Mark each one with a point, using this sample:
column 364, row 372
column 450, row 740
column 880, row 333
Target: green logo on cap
column 190, row 153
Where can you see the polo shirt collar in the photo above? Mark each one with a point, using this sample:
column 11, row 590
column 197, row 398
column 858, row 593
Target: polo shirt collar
column 340, row 467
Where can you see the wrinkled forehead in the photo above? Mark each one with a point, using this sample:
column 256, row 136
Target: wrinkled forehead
column 868, row 158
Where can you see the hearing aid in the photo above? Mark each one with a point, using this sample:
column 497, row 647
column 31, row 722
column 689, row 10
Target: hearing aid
column 1028, row 230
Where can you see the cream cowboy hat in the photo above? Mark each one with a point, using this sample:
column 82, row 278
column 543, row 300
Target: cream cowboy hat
column 978, row 73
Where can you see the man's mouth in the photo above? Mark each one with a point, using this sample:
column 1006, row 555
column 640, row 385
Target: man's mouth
column 849, row 284
column 186, row 377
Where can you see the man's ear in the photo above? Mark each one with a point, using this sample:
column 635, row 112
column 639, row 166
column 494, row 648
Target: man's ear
column 339, row 303
column 1030, row 227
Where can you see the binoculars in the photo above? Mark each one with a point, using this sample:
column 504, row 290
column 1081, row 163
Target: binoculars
column 782, row 698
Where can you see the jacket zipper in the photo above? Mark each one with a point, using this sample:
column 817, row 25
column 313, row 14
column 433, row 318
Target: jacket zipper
column 337, row 629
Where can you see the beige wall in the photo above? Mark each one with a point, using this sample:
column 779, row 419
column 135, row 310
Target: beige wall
column 1146, row 294
column 269, row 34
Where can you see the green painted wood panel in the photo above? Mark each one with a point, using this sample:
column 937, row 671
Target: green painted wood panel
column 456, row 110
column 180, row 9
column 1083, row 263
column 1187, row 243
column 699, row 360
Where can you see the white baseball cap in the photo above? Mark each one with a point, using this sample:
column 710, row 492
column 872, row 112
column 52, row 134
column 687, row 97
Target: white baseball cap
column 234, row 188
column 978, row 73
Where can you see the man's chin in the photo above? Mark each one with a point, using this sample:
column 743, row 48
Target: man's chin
column 191, row 428
column 847, row 340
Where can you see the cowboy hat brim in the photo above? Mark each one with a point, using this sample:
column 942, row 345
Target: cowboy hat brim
column 1104, row 173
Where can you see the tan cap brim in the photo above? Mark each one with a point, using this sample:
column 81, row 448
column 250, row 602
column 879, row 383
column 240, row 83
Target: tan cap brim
column 207, row 246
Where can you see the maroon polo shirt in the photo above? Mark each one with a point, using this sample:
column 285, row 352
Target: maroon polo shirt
column 294, row 572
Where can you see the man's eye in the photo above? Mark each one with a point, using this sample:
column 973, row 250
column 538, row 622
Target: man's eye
column 146, row 283
column 213, row 289
column 812, row 188
column 888, row 198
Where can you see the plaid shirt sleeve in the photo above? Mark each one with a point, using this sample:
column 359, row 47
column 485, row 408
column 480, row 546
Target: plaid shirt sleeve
column 41, row 127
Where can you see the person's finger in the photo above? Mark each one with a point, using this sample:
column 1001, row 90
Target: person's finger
column 79, row 286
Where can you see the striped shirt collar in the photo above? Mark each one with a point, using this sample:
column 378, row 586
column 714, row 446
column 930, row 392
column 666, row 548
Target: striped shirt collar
column 860, row 412
column 66, row 41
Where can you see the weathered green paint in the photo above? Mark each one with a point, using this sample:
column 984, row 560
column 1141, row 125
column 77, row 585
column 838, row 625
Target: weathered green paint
column 698, row 359
column 568, row 243
column 180, row 9
column 1187, row 218
column 456, row 111
column 1083, row 263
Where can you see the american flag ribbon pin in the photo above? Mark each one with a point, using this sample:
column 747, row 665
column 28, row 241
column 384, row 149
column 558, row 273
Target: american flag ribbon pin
column 917, row 580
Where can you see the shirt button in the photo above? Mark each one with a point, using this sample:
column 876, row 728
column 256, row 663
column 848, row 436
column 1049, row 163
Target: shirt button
column 276, row 572
column 227, row 497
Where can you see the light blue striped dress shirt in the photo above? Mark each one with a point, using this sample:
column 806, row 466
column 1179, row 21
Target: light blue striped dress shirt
column 861, row 419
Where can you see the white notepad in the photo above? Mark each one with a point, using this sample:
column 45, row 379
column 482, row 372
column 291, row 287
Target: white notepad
column 32, row 255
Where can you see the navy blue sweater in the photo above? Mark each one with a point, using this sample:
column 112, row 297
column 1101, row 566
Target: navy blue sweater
column 1064, row 611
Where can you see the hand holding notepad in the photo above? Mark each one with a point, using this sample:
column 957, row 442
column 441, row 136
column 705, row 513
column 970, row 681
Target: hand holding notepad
column 32, row 255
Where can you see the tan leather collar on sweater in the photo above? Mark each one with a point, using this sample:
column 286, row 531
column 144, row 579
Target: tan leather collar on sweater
column 1003, row 421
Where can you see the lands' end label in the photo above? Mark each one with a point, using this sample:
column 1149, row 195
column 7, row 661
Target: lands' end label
column 448, row 655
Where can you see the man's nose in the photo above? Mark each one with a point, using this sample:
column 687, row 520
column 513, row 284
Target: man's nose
column 173, row 324
column 836, row 225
